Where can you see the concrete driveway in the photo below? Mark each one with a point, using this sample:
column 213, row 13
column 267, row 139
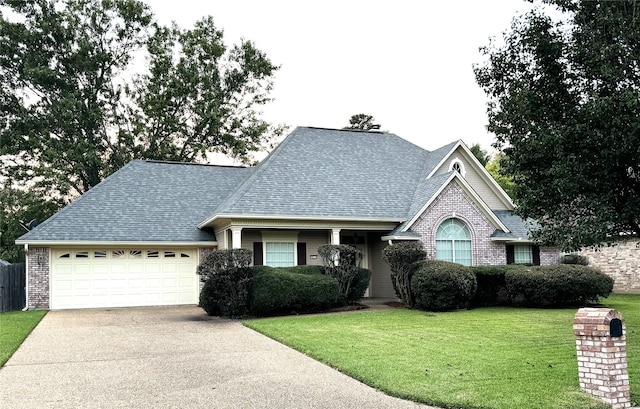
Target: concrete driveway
column 169, row 357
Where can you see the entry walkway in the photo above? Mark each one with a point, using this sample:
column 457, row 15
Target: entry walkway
column 169, row 357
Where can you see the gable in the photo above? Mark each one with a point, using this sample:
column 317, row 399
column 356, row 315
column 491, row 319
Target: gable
column 476, row 175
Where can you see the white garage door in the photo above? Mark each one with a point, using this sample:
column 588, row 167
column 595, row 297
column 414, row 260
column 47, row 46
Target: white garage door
column 98, row 278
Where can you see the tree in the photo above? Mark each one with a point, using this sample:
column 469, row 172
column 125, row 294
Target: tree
column 480, row 154
column 70, row 116
column 17, row 209
column 495, row 170
column 564, row 106
column 362, row 122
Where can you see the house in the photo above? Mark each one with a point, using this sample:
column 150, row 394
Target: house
column 136, row 238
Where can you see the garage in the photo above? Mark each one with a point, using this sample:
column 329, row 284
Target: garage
column 123, row 277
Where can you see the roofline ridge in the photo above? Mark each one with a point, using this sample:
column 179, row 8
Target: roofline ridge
column 172, row 162
column 242, row 188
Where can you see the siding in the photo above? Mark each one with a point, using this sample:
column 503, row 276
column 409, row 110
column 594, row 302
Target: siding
column 381, row 286
column 314, row 239
column 476, row 180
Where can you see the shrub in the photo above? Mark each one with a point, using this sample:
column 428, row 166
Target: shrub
column 224, row 260
column 558, row 285
column 228, row 280
column 284, row 291
column 359, row 285
column 402, row 258
column 491, row 285
column 574, row 259
column 342, row 263
column 208, row 299
column 441, row 285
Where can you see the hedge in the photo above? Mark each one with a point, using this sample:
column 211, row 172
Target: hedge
column 442, row 285
column 282, row 291
column 557, row 285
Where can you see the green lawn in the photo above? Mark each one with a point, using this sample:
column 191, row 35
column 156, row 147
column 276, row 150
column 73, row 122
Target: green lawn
column 14, row 328
column 484, row 358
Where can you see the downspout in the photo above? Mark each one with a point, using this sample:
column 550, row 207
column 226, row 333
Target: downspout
column 26, row 273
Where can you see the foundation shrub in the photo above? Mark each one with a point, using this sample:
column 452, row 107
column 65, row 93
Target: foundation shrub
column 227, row 282
column 403, row 259
column 557, row 285
column 284, row 291
column 491, row 285
column 441, row 285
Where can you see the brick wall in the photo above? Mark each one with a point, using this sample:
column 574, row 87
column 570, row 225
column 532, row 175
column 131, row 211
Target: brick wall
column 620, row 260
column 549, row 256
column 38, row 265
column 485, row 251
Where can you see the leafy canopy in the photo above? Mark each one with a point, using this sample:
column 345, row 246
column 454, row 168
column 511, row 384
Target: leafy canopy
column 71, row 113
column 565, row 108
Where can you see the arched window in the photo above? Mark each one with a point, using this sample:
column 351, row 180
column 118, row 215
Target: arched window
column 453, row 242
column 457, row 165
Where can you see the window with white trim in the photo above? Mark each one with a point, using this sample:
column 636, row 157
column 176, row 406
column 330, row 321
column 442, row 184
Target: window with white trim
column 453, row 242
column 457, row 165
column 280, row 254
column 522, row 254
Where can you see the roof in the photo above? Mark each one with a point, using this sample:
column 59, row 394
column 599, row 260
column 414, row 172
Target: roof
column 318, row 172
column 518, row 227
column 144, row 201
column 315, row 173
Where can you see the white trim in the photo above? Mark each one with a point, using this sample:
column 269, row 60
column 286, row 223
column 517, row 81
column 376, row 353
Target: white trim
column 474, row 196
column 457, row 161
column 405, row 238
column 479, row 168
column 26, row 281
column 301, row 218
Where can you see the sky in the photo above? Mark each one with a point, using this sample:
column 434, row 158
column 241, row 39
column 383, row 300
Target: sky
column 407, row 63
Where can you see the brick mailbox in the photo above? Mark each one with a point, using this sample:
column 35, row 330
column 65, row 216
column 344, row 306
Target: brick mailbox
column 602, row 355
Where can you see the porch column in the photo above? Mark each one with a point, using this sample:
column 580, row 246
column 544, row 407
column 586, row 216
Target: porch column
column 236, row 237
column 335, row 236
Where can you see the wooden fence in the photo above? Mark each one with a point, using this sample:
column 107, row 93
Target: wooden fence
column 12, row 287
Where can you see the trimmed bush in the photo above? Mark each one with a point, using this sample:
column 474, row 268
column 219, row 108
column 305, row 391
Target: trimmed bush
column 359, row 286
column 228, row 280
column 441, row 285
column 284, row 291
column 403, row 258
column 209, row 299
column 558, row 285
column 491, row 285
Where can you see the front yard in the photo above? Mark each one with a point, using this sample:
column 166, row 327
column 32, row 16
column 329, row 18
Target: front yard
column 14, row 328
column 484, row 358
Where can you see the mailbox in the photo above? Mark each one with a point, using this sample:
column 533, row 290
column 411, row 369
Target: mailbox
column 615, row 328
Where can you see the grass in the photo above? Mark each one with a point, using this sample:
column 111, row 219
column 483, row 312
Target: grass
column 14, row 328
column 485, row 358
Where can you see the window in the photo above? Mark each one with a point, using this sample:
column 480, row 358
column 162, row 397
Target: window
column 169, row 254
column 457, row 166
column 280, row 254
column 453, row 242
column 99, row 254
column 82, row 254
column 117, row 254
column 522, row 254
column 153, row 254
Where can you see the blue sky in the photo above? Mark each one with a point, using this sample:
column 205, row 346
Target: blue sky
column 407, row 63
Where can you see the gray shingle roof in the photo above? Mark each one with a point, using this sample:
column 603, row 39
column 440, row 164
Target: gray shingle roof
column 314, row 172
column 333, row 173
column 144, row 201
column 519, row 228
